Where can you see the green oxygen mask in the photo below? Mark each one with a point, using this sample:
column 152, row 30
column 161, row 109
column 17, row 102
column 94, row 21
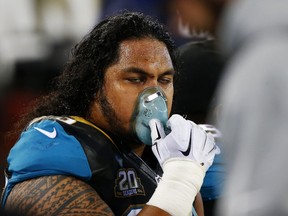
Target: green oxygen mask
column 151, row 104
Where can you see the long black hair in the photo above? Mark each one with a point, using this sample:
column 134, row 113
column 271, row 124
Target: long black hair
column 83, row 75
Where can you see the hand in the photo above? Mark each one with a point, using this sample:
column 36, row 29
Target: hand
column 185, row 154
column 185, row 141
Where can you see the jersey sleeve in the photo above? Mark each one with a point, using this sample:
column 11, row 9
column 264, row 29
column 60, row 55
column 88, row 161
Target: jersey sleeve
column 44, row 148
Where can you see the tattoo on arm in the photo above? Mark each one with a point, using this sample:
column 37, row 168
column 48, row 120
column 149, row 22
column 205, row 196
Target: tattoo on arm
column 56, row 195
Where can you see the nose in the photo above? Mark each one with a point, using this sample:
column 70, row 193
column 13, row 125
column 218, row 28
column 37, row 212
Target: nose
column 152, row 82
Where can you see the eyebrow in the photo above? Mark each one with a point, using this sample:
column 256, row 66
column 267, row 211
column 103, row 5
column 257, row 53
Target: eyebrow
column 143, row 72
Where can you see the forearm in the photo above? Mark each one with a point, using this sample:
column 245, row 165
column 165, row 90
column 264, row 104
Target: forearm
column 152, row 210
column 198, row 205
column 185, row 154
column 180, row 184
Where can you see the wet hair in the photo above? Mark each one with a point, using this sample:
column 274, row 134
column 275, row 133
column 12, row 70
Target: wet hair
column 83, row 75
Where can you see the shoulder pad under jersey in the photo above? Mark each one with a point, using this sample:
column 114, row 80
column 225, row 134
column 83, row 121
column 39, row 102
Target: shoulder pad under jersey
column 53, row 145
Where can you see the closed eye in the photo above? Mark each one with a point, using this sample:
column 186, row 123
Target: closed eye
column 136, row 79
column 165, row 80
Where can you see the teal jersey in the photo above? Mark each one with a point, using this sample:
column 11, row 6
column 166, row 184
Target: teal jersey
column 72, row 146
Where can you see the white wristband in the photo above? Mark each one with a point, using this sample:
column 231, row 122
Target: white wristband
column 181, row 181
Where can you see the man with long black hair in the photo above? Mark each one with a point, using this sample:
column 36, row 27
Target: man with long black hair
column 86, row 146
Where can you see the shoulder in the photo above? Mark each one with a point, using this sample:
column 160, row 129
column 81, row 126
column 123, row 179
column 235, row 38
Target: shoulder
column 46, row 147
column 53, row 145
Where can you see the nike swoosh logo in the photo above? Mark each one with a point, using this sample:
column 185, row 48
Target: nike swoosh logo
column 156, row 144
column 51, row 135
column 158, row 133
column 187, row 152
column 158, row 138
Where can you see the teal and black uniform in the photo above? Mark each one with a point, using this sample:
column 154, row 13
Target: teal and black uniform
column 72, row 146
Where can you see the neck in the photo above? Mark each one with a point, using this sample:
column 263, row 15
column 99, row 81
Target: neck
column 138, row 149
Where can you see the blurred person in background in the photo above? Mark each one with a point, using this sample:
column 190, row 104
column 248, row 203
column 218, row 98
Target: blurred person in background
column 86, row 146
column 252, row 37
column 200, row 68
column 159, row 9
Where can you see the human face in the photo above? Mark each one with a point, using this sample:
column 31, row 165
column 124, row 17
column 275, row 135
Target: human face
column 142, row 63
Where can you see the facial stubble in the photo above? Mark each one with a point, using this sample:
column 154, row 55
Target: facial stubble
column 116, row 125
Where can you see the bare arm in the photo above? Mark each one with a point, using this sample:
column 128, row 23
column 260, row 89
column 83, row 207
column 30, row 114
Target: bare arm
column 62, row 195
column 56, row 195
column 198, row 205
column 151, row 210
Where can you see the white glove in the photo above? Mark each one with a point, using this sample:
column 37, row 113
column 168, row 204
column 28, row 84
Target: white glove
column 185, row 154
column 186, row 140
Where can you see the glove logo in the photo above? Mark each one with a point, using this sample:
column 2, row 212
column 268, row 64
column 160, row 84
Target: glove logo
column 158, row 138
column 158, row 133
column 187, row 152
